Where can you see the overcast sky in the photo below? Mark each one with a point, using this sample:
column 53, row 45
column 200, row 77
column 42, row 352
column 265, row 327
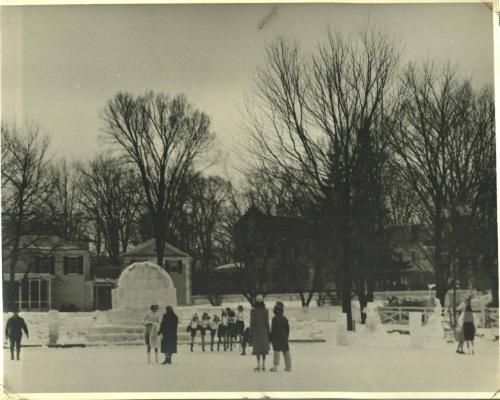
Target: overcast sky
column 61, row 63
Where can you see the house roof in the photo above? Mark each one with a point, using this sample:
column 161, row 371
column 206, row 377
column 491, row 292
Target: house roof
column 148, row 248
column 50, row 243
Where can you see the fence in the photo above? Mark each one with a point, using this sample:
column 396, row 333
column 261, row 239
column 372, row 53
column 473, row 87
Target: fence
column 487, row 317
column 401, row 315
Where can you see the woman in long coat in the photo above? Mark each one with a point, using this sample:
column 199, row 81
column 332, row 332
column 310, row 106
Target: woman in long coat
column 168, row 330
column 260, row 330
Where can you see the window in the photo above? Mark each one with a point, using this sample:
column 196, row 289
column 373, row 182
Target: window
column 73, row 265
column 45, row 265
column 173, row 266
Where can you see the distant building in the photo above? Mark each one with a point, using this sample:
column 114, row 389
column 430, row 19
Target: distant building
column 410, row 245
column 175, row 261
column 52, row 274
column 66, row 276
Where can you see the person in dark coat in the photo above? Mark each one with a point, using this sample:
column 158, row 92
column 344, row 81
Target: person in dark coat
column 280, row 331
column 469, row 327
column 246, row 341
column 14, row 331
column 168, row 330
column 260, row 330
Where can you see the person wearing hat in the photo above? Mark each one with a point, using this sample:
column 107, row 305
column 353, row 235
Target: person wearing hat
column 280, row 331
column 260, row 330
column 14, row 331
column 152, row 326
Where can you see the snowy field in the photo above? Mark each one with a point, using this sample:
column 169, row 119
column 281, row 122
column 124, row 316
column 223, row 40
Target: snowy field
column 318, row 367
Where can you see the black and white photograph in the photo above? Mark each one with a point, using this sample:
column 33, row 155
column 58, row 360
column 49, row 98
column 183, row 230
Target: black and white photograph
column 249, row 200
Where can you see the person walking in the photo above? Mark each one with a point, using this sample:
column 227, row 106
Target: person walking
column 260, row 330
column 193, row 327
column 280, row 330
column 469, row 328
column 168, row 331
column 152, row 326
column 14, row 331
column 213, row 325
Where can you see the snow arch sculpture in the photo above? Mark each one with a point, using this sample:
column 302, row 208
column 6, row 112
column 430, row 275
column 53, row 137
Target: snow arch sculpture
column 142, row 284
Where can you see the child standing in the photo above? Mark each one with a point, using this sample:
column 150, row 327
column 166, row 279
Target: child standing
column 152, row 326
column 203, row 328
column 231, row 328
column 459, row 334
column 240, row 325
column 246, row 341
column 213, row 325
column 280, row 331
column 222, row 331
column 193, row 327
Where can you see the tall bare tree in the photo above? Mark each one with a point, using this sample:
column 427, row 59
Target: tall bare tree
column 112, row 200
column 67, row 213
column 26, row 187
column 311, row 113
column 440, row 144
column 163, row 137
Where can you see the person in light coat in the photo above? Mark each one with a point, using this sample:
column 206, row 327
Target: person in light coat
column 260, row 330
column 151, row 328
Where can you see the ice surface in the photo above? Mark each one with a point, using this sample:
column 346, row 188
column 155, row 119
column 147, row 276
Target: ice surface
column 316, row 367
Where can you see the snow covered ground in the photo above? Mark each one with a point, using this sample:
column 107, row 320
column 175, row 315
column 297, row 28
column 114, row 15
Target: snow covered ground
column 317, row 367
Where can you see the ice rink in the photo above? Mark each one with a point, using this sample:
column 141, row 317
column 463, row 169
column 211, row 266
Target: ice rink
column 316, row 367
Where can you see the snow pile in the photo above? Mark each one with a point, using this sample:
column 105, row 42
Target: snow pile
column 305, row 330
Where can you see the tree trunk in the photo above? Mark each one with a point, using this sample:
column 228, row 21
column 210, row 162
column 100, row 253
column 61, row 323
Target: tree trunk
column 494, row 284
column 441, row 290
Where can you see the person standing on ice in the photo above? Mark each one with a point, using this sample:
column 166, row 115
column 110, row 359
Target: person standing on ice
column 205, row 319
column 168, row 331
column 152, row 326
column 469, row 327
column 459, row 334
column 280, row 331
column 14, row 331
column 193, row 327
column 231, row 328
column 222, row 330
column 213, row 324
column 260, row 330
column 240, row 325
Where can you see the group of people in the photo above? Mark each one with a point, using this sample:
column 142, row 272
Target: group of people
column 230, row 330
column 166, row 329
column 465, row 330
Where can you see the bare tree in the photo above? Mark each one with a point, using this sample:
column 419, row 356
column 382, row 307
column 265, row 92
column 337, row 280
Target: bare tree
column 440, row 145
column 311, row 114
column 67, row 213
column 26, row 187
column 112, row 200
column 163, row 137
